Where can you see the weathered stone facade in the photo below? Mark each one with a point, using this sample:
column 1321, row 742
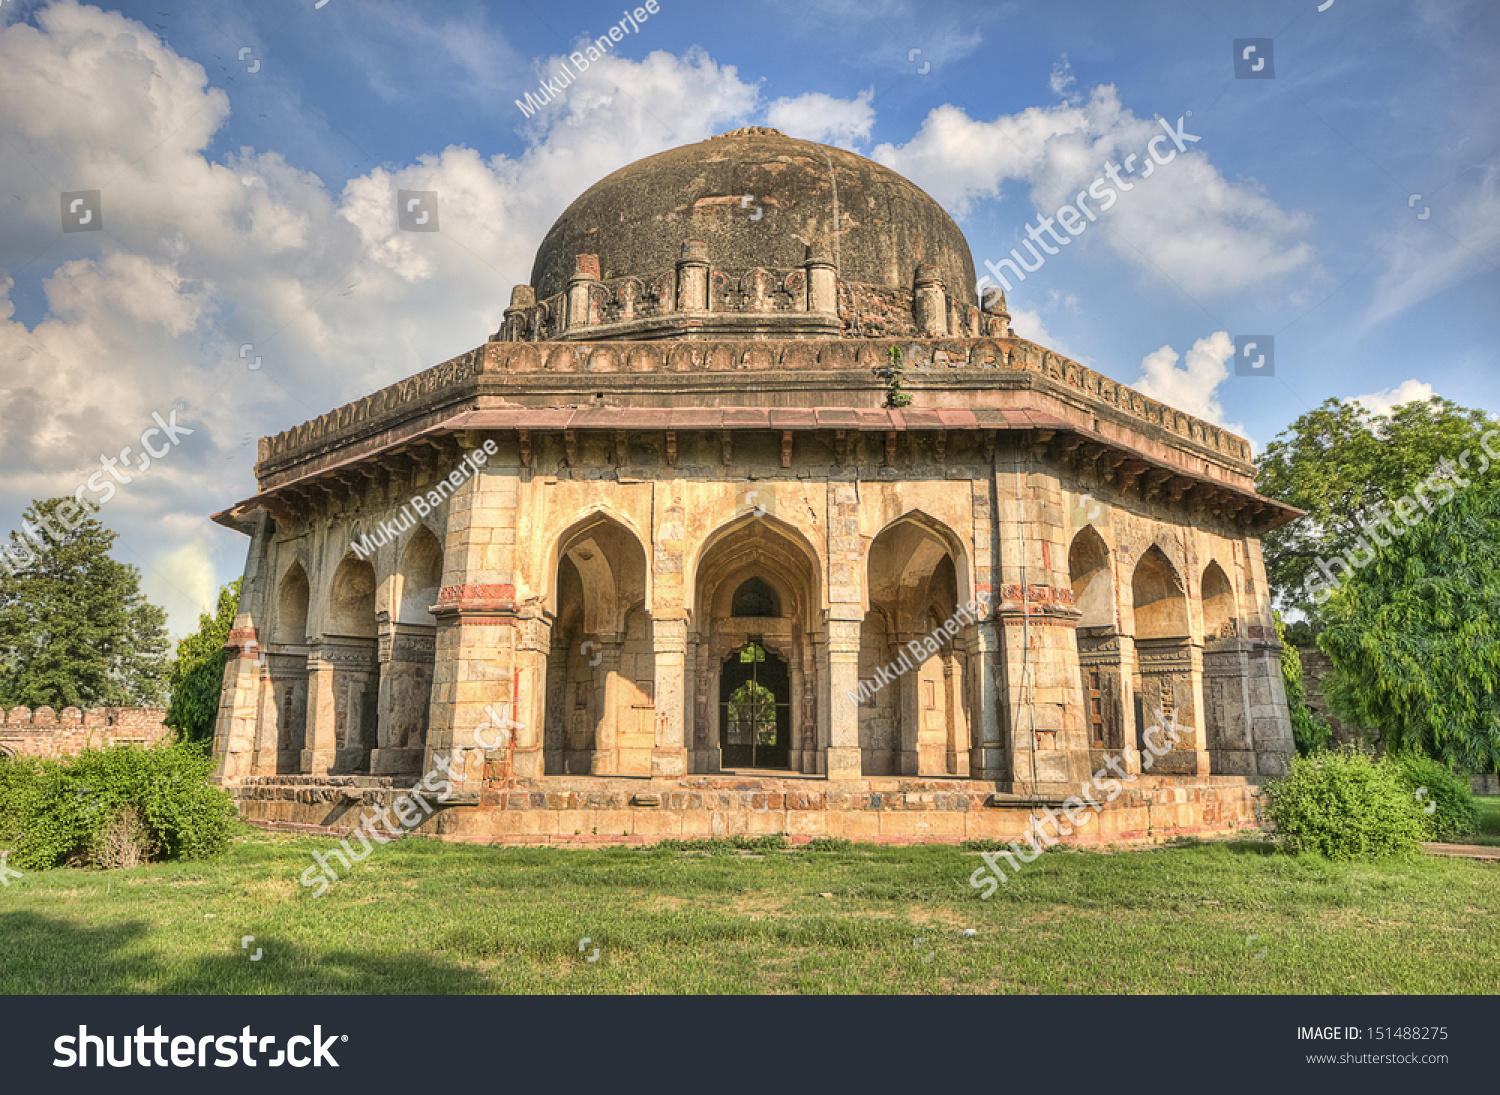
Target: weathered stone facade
column 666, row 542
column 47, row 733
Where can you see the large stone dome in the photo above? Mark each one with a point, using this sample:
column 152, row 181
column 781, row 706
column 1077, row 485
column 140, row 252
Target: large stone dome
column 637, row 219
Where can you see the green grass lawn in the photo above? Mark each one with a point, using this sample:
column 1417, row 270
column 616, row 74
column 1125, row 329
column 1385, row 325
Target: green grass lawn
column 423, row 917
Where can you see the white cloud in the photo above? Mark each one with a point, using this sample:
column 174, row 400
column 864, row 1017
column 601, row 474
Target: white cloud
column 1030, row 325
column 819, row 117
column 200, row 257
column 1185, row 222
column 1459, row 238
column 1384, row 402
column 1193, row 388
column 1062, row 81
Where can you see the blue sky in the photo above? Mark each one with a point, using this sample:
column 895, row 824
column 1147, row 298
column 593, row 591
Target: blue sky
column 254, row 208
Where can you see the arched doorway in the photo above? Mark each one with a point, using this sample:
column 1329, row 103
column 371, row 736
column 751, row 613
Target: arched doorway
column 756, row 589
column 755, row 709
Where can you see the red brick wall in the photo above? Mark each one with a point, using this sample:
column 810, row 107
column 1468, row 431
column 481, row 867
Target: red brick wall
column 48, row 733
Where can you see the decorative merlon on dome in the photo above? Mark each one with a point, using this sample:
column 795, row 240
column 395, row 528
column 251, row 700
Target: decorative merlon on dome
column 696, row 299
column 749, row 131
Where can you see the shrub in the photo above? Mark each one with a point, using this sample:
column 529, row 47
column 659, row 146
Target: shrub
column 772, row 842
column 828, row 844
column 117, row 807
column 1343, row 805
column 17, row 785
column 1453, row 812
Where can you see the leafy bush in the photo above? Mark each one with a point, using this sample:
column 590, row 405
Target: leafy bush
column 17, row 784
column 773, row 842
column 1343, row 805
column 115, row 807
column 1453, row 812
column 828, row 844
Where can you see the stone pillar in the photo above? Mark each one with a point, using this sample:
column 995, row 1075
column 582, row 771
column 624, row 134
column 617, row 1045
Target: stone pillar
column 846, row 613
column 513, row 327
column 607, row 693
column 822, row 281
column 1049, row 736
column 669, row 753
column 989, row 753
column 843, row 681
column 908, row 709
column 477, row 667
column 239, row 701
column 580, row 288
column 1270, row 716
column 929, row 303
column 321, row 741
column 692, row 277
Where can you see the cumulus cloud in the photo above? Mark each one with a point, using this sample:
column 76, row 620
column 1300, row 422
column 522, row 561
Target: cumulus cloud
column 1384, row 402
column 201, row 257
column 819, row 117
column 1194, row 387
column 1186, row 222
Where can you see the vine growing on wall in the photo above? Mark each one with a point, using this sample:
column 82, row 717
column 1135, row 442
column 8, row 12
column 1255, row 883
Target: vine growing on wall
column 893, row 374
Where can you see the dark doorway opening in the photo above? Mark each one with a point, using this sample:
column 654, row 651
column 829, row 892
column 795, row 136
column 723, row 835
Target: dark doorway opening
column 755, row 711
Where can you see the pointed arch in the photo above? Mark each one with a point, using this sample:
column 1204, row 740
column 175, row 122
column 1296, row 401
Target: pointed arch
column 351, row 600
column 918, row 540
column 1220, row 615
column 293, row 595
column 1092, row 579
column 420, row 574
column 915, row 580
column 1158, row 598
column 605, row 519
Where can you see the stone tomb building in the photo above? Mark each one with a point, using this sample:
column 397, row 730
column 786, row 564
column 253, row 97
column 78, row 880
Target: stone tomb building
column 746, row 440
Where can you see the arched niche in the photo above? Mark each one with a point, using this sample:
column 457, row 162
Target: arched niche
column 1092, row 579
column 348, row 646
column 1164, row 673
column 1220, row 619
column 600, row 668
column 406, row 675
column 282, row 721
column 918, row 693
column 1099, row 656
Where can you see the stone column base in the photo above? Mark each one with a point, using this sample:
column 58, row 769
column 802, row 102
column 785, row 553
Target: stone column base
column 844, row 763
column 395, row 762
column 317, row 762
column 668, row 763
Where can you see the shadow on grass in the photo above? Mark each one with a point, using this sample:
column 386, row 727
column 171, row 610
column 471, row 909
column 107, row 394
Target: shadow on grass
column 47, row 955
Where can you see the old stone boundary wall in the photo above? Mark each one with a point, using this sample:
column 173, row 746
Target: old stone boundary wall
column 48, row 733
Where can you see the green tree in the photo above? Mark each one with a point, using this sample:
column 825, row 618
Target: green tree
column 1346, row 465
column 198, row 672
column 1414, row 637
column 75, row 630
column 1310, row 732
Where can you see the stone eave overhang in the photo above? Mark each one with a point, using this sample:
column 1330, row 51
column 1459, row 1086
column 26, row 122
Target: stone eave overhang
column 438, row 445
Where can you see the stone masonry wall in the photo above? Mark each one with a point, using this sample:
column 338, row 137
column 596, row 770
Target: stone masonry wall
column 45, row 733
